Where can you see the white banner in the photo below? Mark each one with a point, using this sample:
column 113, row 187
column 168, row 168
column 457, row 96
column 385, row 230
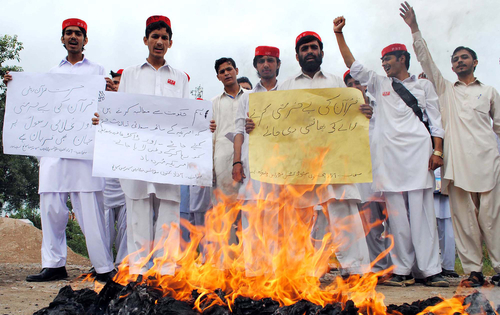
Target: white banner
column 154, row 138
column 48, row 114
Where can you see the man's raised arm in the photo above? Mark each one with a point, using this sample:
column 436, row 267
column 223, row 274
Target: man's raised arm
column 338, row 25
column 422, row 52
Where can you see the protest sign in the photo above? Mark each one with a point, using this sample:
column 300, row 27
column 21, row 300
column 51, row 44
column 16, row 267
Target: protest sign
column 311, row 136
column 154, row 138
column 48, row 114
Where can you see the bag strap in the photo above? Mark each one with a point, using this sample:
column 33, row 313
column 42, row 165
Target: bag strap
column 408, row 98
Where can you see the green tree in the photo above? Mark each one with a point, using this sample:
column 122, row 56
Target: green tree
column 18, row 174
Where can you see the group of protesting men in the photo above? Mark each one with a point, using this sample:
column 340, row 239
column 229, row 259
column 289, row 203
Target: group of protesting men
column 416, row 126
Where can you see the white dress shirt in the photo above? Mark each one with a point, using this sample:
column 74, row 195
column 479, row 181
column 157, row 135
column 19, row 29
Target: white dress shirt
column 320, row 80
column 471, row 158
column 403, row 149
column 166, row 81
column 70, row 175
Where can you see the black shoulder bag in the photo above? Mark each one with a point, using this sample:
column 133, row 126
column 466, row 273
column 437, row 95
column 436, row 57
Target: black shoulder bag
column 411, row 101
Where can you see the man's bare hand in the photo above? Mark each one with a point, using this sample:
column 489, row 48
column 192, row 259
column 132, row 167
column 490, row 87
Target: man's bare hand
column 408, row 15
column 338, row 24
column 238, row 173
column 110, row 86
column 7, row 77
column 422, row 76
column 249, row 125
column 213, row 126
column 367, row 110
column 435, row 162
column 95, row 120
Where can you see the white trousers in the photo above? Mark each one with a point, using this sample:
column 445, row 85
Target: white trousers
column 476, row 218
column 446, row 243
column 372, row 212
column 118, row 234
column 347, row 232
column 260, row 237
column 145, row 221
column 88, row 208
column 412, row 222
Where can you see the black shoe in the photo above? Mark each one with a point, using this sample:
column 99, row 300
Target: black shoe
column 476, row 279
column 436, row 280
column 449, row 273
column 48, row 274
column 496, row 278
column 105, row 277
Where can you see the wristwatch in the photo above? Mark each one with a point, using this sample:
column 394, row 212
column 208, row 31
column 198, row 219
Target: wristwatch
column 438, row 153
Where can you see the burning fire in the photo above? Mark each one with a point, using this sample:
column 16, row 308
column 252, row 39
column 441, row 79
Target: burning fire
column 285, row 265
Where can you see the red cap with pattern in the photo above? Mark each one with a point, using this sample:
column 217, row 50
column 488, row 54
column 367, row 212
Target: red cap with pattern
column 267, row 51
column 74, row 22
column 119, row 71
column 157, row 18
column 393, row 47
column 307, row 34
column 346, row 73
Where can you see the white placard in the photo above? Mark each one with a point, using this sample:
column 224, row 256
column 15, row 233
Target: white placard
column 154, row 138
column 49, row 114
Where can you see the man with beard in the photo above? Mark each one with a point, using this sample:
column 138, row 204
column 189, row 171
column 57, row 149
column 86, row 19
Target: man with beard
column 469, row 110
column 404, row 159
column 60, row 178
column 340, row 200
column 267, row 64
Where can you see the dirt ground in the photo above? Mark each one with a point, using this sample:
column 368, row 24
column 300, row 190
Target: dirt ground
column 20, row 256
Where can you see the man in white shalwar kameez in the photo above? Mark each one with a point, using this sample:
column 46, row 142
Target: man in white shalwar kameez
column 267, row 63
column 404, row 161
column 150, row 206
column 471, row 173
column 340, row 199
column 60, row 178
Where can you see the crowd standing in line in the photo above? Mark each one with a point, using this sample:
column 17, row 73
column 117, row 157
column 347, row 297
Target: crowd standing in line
column 426, row 138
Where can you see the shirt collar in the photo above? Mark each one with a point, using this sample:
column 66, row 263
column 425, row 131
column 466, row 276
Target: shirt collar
column 65, row 60
column 409, row 79
column 241, row 91
column 259, row 84
column 147, row 64
column 476, row 81
column 316, row 75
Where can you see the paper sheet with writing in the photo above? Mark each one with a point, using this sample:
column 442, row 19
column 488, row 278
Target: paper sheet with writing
column 311, row 136
column 154, row 138
column 49, row 114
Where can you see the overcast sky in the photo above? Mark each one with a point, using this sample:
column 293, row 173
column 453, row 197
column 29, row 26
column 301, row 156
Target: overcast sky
column 204, row 31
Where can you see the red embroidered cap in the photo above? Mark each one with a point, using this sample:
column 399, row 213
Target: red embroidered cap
column 393, row 47
column 119, row 71
column 74, row 22
column 308, row 33
column 267, row 51
column 156, row 18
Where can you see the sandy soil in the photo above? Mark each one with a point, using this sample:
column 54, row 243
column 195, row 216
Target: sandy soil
column 20, row 256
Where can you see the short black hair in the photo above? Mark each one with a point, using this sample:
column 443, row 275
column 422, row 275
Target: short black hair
column 398, row 54
column 307, row 39
column 222, row 60
column 244, row 80
column 347, row 77
column 158, row 26
column 471, row 52
column 84, row 32
column 256, row 59
column 115, row 74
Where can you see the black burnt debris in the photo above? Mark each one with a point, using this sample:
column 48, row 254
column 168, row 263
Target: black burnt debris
column 139, row 298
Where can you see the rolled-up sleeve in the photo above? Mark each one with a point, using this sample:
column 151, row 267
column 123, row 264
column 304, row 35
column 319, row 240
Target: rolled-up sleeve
column 241, row 114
